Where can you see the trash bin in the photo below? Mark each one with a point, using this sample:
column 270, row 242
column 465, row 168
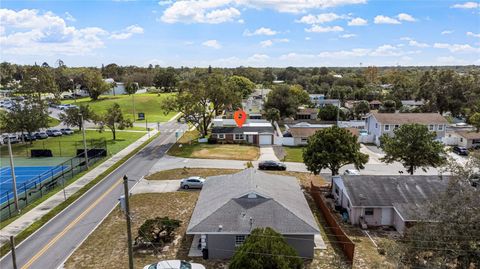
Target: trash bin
column 205, row 253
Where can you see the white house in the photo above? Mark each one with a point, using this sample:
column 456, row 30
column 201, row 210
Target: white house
column 397, row 201
column 319, row 100
column 378, row 124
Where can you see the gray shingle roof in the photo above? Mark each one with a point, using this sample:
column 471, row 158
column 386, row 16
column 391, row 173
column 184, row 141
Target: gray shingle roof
column 280, row 204
column 238, row 130
column 374, row 191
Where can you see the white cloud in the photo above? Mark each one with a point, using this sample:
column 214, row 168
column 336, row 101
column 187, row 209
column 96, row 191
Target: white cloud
column 417, row 44
column 405, row 17
column 357, row 22
column 321, row 29
column 447, row 32
column 266, row 43
column 358, row 52
column 31, row 32
column 207, row 11
column 127, row 32
column 457, row 48
column 380, row 19
column 307, row 38
column 467, row 5
column 197, row 11
column 258, row 58
column 473, row 34
column 69, row 17
column 320, row 18
column 212, row 44
column 260, row 31
column 241, row 21
column 450, row 60
column 348, row 35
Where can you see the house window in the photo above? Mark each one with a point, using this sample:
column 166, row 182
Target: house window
column 304, row 140
column 376, row 125
column 440, row 127
column 368, row 211
column 396, row 126
column 239, row 137
column 220, row 136
column 239, row 240
column 387, row 127
column 461, row 139
column 431, row 127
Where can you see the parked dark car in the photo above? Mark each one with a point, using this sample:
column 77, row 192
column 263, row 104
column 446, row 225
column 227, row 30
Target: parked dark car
column 460, row 150
column 53, row 132
column 27, row 137
column 41, row 135
column 272, row 165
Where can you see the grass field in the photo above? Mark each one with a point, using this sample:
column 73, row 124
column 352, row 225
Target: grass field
column 67, row 145
column 293, row 154
column 188, row 147
column 146, row 102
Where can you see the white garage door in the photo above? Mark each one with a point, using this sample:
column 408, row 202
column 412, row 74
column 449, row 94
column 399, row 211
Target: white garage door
column 265, row 139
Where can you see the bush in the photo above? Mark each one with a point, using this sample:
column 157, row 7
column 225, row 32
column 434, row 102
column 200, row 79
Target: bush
column 212, row 140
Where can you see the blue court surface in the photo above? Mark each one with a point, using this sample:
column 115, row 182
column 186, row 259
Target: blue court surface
column 27, row 177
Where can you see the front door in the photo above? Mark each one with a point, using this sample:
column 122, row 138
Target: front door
column 387, row 215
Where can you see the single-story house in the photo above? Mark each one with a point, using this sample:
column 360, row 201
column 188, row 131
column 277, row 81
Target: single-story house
column 412, row 103
column 231, row 206
column 397, row 201
column 257, row 132
column 298, row 134
column 319, row 100
column 306, row 114
column 467, row 139
column 378, row 124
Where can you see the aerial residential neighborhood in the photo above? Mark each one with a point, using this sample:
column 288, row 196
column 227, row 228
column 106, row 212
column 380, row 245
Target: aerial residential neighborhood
column 284, row 134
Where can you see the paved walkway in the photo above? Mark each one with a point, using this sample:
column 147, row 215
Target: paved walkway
column 39, row 211
column 267, row 153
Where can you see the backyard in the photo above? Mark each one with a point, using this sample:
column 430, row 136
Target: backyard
column 188, row 147
column 147, row 103
column 67, row 145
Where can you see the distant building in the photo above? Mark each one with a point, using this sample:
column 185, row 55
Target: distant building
column 318, row 100
column 306, row 114
column 375, row 104
column 412, row 103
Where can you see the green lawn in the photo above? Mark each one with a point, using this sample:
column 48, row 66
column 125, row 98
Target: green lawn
column 188, row 147
column 52, row 122
column 146, row 102
column 293, row 154
column 66, row 145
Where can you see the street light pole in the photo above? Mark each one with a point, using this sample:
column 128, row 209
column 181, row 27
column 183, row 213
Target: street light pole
column 129, row 226
column 14, row 179
column 84, row 141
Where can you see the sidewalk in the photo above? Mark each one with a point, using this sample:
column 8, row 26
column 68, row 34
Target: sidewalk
column 36, row 213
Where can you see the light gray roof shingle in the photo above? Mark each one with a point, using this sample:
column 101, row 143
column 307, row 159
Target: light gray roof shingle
column 280, row 205
column 375, row 191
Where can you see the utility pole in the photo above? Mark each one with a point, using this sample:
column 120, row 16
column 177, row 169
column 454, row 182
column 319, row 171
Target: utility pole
column 84, row 141
column 129, row 228
column 14, row 179
column 133, row 100
column 14, row 256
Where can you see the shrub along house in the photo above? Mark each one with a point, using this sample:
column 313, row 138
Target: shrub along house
column 257, row 132
column 231, row 206
column 378, row 124
column 397, row 201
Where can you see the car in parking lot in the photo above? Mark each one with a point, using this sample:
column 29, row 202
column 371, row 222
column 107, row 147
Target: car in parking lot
column 192, row 183
column 351, row 172
column 272, row 165
column 66, row 131
column 13, row 139
column 174, row 264
column 27, row 137
column 53, row 132
column 40, row 135
column 460, row 150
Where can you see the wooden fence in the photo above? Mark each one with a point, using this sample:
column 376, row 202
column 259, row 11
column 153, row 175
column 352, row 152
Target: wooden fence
column 342, row 239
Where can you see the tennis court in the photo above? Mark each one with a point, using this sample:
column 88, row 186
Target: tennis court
column 27, row 177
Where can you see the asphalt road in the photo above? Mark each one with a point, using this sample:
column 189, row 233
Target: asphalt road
column 51, row 245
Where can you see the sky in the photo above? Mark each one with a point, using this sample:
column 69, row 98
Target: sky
column 231, row 33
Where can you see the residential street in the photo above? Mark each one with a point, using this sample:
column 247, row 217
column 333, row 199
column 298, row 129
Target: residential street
column 53, row 243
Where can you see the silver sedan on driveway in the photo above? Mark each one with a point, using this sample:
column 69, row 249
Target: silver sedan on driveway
column 192, row 183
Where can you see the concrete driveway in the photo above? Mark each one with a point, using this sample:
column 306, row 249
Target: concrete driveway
column 156, row 186
column 267, row 153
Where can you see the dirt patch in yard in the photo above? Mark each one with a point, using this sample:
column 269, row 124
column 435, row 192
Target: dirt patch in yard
column 180, row 173
column 303, row 178
column 106, row 246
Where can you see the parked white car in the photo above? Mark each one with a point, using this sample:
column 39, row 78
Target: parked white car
column 174, row 264
column 351, row 172
column 192, row 183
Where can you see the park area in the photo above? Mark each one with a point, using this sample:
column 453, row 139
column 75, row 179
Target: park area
column 189, row 147
column 147, row 103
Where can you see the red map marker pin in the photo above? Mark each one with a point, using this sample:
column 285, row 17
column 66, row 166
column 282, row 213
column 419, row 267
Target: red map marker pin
column 240, row 117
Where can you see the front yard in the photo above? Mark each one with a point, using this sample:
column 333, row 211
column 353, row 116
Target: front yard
column 188, row 147
column 293, row 154
column 180, row 173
